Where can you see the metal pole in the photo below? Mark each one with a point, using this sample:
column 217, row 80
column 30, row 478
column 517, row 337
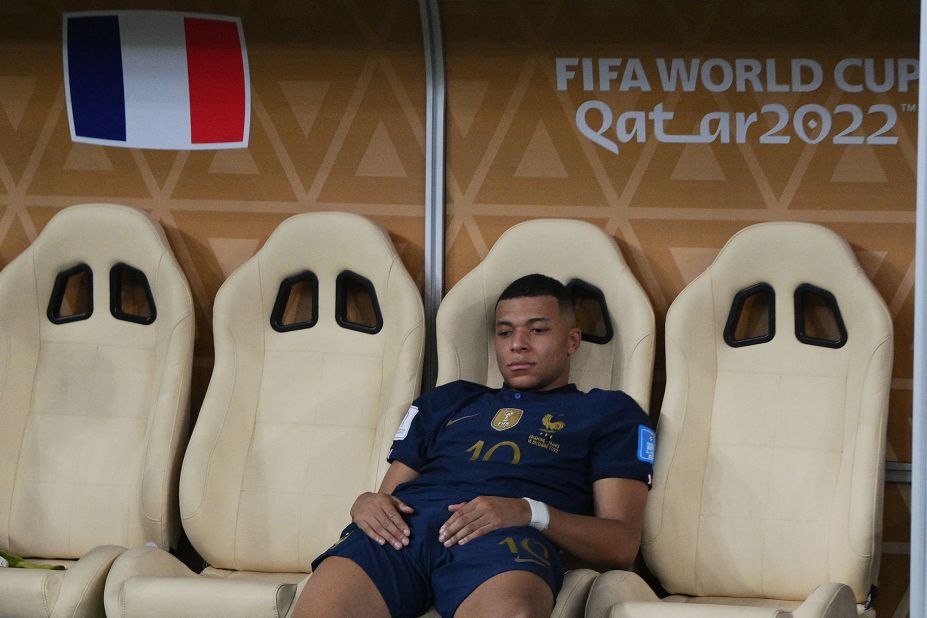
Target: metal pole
column 918, row 607
column 434, row 180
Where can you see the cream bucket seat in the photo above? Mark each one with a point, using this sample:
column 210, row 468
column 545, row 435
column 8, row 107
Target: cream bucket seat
column 96, row 348
column 767, row 494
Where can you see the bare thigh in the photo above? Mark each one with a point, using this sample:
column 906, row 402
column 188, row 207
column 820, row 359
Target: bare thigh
column 511, row 594
column 340, row 588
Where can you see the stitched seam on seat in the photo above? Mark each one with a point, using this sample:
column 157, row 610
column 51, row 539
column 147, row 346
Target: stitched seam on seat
column 87, row 586
column 767, row 490
column 570, row 594
column 156, row 388
column 830, row 603
column 275, row 605
column 28, row 422
column 833, row 490
column 875, row 495
column 97, row 345
column 215, row 443
column 45, row 597
column 634, row 351
column 166, row 471
column 244, row 468
column 701, row 494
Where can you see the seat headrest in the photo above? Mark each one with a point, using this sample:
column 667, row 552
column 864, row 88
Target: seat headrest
column 570, row 251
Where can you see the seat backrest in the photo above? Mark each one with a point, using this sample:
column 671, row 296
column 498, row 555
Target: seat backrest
column 618, row 343
column 771, row 438
column 96, row 349
column 318, row 348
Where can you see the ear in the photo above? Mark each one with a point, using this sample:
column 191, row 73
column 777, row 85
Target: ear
column 575, row 338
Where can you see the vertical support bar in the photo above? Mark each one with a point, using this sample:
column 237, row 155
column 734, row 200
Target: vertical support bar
column 918, row 603
column 435, row 120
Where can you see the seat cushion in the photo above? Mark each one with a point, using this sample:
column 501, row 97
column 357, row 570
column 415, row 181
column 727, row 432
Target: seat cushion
column 76, row 592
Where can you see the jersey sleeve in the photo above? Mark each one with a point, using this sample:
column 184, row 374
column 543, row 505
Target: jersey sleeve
column 410, row 443
column 626, row 444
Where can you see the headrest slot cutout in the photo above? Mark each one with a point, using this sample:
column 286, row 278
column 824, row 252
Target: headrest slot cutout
column 72, row 295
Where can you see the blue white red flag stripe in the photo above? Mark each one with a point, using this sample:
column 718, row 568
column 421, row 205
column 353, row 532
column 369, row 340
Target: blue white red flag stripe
column 217, row 89
column 95, row 78
column 157, row 79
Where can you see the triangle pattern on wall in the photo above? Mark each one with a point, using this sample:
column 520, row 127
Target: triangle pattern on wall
column 380, row 158
column 540, row 159
column 468, row 96
column 859, row 163
column 697, row 162
column 15, row 92
column 88, row 158
column 233, row 252
column 305, row 99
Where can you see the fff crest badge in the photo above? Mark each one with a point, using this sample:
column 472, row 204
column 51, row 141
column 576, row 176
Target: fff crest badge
column 506, row 418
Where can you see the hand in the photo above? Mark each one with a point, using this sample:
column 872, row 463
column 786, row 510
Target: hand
column 482, row 515
column 379, row 516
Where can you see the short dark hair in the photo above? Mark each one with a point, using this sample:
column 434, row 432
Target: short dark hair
column 539, row 285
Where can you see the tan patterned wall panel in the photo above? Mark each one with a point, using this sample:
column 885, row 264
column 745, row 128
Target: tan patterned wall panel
column 516, row 150
column 337, row 123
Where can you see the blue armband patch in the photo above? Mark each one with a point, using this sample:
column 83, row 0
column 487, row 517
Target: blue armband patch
column 646, row 444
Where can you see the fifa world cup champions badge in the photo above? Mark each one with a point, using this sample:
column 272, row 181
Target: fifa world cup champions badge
column 506, row 418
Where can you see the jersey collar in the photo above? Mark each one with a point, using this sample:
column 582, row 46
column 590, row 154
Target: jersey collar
column 518, row 394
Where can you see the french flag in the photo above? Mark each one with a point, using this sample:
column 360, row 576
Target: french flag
column 157, row 79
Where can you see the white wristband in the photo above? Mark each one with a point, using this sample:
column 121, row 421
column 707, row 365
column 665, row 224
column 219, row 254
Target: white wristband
column 540, row 514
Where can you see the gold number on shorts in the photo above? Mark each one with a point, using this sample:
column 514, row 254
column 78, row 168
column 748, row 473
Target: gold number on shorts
column 537, row 556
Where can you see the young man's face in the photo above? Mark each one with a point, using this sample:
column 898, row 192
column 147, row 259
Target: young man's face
column 534, row 343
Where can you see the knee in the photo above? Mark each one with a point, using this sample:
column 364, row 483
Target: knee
column 524, row 608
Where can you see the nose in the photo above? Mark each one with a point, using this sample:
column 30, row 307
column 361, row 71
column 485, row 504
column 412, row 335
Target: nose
column 519, row 341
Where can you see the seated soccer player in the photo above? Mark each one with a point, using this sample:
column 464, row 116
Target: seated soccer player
column 486, row 486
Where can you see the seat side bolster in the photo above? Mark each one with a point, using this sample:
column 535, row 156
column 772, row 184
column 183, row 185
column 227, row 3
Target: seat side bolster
column 828, row 601
column 616, row 586
column 140, row 561
column 688, row 610
column 205, row 597
column 168, row 435
column 572, row 597
column 82, row 586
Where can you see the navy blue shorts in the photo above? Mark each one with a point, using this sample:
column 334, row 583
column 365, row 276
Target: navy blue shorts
column 426, row 573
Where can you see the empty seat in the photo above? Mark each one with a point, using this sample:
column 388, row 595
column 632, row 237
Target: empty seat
column 767, row 493
column 318, row 348
column 96, row 348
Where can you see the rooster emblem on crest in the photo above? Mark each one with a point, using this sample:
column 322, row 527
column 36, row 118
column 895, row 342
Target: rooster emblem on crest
column 550, row 424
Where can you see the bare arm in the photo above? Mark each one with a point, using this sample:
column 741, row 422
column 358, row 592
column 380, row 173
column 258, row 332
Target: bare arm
column 397, row 474
column 611, row 538
column 379, row 514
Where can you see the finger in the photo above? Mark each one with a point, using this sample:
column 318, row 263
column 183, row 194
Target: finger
column 394, row 520
column 402, row 506
column 471, row 531
column 388, row 528
column 453, row 524
column 369, row 531
column 398, row 527
column 459, row 510
column 378, row 527
column 475, row 534
column 454, row 531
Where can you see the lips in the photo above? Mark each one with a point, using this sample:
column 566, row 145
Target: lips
column 520, row 366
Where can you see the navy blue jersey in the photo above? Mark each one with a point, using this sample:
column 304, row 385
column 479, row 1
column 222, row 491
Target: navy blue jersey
column 468, row 440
